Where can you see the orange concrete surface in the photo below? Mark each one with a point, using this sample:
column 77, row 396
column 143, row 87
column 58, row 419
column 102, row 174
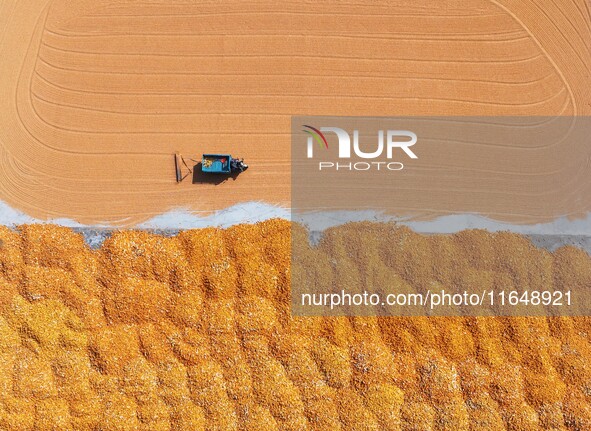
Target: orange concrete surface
column 95, row 96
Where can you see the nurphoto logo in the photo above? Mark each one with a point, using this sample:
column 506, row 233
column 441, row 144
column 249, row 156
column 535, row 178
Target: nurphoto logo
column 395, row 139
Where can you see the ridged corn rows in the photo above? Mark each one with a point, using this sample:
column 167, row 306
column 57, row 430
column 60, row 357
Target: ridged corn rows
column 194, row 333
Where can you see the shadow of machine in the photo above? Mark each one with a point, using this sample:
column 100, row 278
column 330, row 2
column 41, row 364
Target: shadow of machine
column 200, row 177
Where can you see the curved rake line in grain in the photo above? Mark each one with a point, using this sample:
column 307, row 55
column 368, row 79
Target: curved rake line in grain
column 543, row 50
column 486, row 37
column 298, row 56
column 301, row 75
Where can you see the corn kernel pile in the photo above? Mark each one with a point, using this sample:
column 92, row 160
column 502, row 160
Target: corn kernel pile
column 195, row 333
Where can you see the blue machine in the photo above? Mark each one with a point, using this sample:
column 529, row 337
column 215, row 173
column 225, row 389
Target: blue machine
column 210, row 164
column 216, row 163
